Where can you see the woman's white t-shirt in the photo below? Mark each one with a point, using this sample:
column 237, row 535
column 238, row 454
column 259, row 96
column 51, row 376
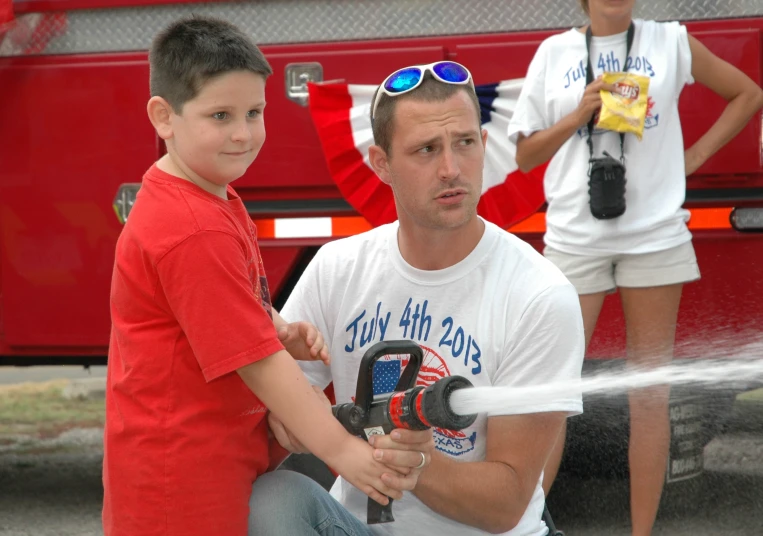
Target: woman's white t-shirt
column 656, row 180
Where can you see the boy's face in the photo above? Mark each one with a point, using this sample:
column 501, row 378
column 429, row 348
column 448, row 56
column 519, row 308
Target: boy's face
column 220, row 131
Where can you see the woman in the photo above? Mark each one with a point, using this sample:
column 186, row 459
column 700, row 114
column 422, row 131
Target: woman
column 645, row 252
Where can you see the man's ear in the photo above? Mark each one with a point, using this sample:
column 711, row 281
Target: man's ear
column 484, row 138
column 380, row 163
column 160, row 113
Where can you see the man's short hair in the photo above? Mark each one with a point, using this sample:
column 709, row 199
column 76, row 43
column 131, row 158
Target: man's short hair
column 191, row 51
column 430, row 90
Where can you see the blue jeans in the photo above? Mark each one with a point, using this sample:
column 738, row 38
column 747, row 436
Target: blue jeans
column 285, row 502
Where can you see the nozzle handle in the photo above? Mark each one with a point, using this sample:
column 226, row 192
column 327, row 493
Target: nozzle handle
column 364, row 392
column 379, row 513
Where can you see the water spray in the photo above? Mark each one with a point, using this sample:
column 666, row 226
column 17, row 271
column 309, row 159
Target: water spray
column 452, row 403
column 742, row 373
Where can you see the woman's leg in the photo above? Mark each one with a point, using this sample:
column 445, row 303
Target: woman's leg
column 650, row 319
column 590, row 306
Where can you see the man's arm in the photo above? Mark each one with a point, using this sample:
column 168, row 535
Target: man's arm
column 547, row 346
column 491, row 495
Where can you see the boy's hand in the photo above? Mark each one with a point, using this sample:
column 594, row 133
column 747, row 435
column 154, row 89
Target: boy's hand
column 304, row 342
column 356, row 465
column 284, row 437
column 402, row 452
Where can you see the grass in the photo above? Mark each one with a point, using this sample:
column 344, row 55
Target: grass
column 41, row 410
column 755, row 396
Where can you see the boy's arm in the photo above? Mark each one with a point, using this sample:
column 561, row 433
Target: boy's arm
column 279, row 383
column 205, row 284
column 278, row 321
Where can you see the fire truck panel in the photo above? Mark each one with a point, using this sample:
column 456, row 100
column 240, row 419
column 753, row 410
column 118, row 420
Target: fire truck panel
column 73, row 91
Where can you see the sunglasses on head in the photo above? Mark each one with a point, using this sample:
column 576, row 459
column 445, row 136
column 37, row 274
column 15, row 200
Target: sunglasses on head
column 409, row 78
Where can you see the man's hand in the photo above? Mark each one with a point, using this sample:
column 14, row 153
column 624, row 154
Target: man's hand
column 356, row 464
column 304, row 342
column 402, row 452
column 405, row 453
column 284, row 437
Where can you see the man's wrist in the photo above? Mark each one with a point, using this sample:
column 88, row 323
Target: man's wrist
column 430, row 471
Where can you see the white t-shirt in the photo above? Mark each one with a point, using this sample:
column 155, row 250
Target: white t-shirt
column 655, row 173
column 503, row 316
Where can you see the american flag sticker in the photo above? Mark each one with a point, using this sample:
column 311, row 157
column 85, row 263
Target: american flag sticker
column 386, row 375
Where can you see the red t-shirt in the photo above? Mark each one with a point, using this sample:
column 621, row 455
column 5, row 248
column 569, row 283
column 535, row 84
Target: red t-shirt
column 185, row 438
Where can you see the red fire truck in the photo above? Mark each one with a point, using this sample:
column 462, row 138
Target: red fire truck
column 75, row 141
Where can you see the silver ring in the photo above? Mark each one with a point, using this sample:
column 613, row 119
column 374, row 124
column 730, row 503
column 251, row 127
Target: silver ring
column 423, row 461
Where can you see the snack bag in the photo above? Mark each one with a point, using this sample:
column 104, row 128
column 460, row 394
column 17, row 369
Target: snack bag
column 624, row 110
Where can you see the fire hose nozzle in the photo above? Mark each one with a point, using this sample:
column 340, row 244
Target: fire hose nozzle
column 408, row 406
column 436, row 404
column 420, row 408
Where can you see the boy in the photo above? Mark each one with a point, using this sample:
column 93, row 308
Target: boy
column 194, row 358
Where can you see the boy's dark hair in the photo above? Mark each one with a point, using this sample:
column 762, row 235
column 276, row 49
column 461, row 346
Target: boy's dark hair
column 193, row 50
column 430, row 90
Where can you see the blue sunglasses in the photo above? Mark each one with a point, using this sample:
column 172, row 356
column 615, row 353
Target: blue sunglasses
column 409, row 78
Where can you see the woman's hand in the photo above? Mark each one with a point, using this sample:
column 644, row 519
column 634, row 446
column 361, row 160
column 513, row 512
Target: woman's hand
column 591, row 101
column 541, row 147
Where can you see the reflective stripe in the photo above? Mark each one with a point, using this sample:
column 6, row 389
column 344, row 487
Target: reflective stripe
column 303, row 227
column 350, row 226
column 701, row 219
column 311, row 227
column 534, row 224
column 710, row 218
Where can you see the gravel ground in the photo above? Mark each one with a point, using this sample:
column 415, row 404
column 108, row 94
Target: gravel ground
column 15, row 375
column 53, row 487
column 727, row 500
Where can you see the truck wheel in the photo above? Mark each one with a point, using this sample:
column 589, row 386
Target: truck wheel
column 719, row 410
column 597, row 441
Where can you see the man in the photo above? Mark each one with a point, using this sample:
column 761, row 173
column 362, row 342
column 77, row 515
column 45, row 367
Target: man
column 481, row 303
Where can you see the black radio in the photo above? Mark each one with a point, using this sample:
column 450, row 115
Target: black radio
column 606, row 187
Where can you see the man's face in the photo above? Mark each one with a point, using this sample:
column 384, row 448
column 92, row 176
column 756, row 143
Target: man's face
column 435, row 163
column 220, row 131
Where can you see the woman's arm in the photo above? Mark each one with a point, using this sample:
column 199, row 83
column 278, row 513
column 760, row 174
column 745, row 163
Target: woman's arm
column 744, row 99
column 541, row 146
